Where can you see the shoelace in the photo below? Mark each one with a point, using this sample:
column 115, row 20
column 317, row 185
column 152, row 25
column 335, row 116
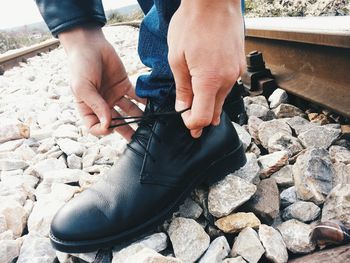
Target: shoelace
column 146, row 121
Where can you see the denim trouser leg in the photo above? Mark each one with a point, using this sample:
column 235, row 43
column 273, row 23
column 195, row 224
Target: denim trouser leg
column 153, row 49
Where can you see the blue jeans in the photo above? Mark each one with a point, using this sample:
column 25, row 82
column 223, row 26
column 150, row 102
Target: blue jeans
column 153, row 49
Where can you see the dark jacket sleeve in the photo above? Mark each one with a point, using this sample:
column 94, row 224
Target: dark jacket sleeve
column 61, row 15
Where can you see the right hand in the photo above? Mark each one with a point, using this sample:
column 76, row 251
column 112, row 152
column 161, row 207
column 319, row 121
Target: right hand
column 99, row 81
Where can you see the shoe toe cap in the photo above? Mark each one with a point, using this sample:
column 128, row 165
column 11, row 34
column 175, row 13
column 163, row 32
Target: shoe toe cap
column 79, row 220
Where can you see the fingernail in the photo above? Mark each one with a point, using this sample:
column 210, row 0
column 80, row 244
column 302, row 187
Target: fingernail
column 180, row 105
column 216, row 122
column 103, row 121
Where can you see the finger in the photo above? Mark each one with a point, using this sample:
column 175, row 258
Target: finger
column 90, row 120
column 131, row 93
column 182, row 77
column 126, row 131
column 129, row 107
column 219, row 103
column 96, row 103
column 202, row 110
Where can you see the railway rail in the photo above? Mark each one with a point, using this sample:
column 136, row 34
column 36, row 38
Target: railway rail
column 11, row 59
column 308, row 57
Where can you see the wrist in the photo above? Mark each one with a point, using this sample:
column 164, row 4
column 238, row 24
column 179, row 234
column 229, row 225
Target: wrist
column 77, row 37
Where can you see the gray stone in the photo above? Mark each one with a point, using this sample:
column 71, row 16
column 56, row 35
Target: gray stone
column 87, row 257
column 14, row 189
column 250, row 171
column 337, row 205
column 319, row 137
column 236, row 222
column 228, row 194
column 313, row 174
column 284, row 177
column 269, row 128
column 266, row 201
column 281, row 141
column 278, row 97
column 254, row 149
column 189, row 209
column 301, row 210
column 36, row 249
column 69, row 147
column 300, row 125
column 275, row 248
column 296, row 236
column 253, row 126
column 234, row 260
column 272, row 162
column 9, row 250
column 14, row 214
column 243, row 135
column 248, row 246
column 258, row 111
column 287, row 111
column 74, row 162
column 259, row 100
column 12, row 164
column 217, row 251
column 288, row 196
column 188, row 238
column 342, row 173
column 339, row 154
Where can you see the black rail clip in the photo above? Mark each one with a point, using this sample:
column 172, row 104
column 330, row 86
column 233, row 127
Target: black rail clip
column 258, row 80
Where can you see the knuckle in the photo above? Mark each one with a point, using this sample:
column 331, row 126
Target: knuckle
column 199, row 123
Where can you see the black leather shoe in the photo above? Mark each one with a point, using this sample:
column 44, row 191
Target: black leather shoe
column 159, row 169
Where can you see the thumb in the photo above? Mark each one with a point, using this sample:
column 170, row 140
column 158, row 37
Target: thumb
column 89, row 94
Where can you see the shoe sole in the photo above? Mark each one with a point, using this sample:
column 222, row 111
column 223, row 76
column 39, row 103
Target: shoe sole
column 222, row 167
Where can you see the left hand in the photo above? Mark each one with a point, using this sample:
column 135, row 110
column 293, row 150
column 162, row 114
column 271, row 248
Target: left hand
column 206, row 55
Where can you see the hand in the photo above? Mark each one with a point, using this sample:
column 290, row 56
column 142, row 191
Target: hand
column 98, row 80
column 206, row 55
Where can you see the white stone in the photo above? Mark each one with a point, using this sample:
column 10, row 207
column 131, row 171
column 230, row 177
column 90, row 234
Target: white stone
column 9, row 165
column 69, row 147
column 36, row 249
column 275, row 248
column 273, row 162
column 43, row 212
column 217, row 251
column 48, row 165
column 243, row 135
column 228, row 194
column 15, row 215
column 74, row 162
column 277, row 97
column 188, row 238
column 248, row 246
column 296, row 236
column 9, row 250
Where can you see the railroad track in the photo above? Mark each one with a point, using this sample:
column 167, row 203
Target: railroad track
column 11, row 59
column 309, row 57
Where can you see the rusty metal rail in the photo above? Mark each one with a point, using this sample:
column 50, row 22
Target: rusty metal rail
column 309, row 57
column 135, row 23
column 10, row 59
